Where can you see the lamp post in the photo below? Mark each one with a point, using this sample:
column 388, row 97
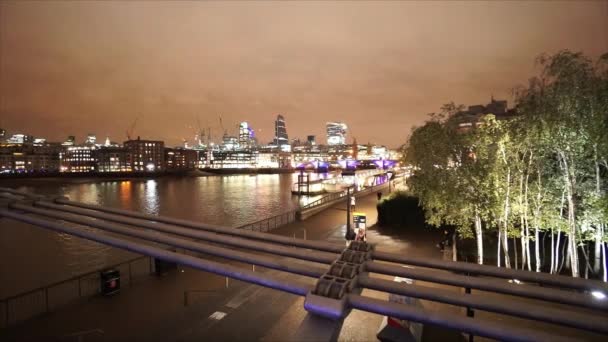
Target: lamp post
column 347, row 234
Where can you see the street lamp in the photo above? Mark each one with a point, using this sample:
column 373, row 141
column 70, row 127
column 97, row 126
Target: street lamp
column 349, row 234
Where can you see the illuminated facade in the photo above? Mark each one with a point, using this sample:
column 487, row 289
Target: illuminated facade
column 336, row 133
column 233, row 159
column 78, row 159
column 113, row 159
column 280, row 132
column 180, row 159
column 29, row 158
column 246, row 136
column 145, row 155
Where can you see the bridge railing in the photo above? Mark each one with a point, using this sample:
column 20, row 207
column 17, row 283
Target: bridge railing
column 338, row 195
column 271, row 223
column 45, row 299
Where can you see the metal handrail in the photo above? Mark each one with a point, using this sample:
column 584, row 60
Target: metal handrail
column 83, row 275
column 289, row 214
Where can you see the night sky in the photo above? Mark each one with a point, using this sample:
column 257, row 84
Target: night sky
column 70, row 68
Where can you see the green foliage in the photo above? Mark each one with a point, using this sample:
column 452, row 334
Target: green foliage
column 544, row 168
column 400, row 209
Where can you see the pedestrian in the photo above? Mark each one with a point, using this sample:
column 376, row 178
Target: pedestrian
column 379, row 194
column 352, row 203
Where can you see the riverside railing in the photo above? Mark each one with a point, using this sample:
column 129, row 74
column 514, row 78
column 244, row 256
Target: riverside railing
column 333, row 197
column 271, row 223
column 45, row 299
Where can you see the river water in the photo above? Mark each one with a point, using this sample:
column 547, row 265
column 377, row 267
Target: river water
column 31, row 257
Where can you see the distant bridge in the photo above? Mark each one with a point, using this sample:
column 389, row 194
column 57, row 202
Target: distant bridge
column 341, row 273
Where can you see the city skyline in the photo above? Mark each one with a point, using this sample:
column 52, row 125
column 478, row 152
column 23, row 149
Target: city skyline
column 71, row 67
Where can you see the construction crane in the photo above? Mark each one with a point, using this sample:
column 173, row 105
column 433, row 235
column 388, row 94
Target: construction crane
column 222, row 126
column 131, row 129
column 201, row 132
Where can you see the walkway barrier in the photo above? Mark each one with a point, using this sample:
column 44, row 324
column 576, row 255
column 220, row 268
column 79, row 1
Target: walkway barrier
column 334, row 197
column 271, row 223
column 45, row 299
column 343, row 273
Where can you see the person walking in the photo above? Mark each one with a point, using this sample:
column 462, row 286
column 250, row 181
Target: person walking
column 352, row 203
column 379, row 194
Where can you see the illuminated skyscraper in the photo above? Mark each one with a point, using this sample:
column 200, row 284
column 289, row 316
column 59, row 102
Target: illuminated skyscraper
column 280, row 131
column 245, row 135
column 336, row 133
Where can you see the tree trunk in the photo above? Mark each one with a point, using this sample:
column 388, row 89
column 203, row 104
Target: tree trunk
column 597, row 253
column 605, row 277
column 499, row 241
column 505, row 222
column 570, row 183
column 526, row 223
column 599, row 231
column 521, row 222
column 478, row 235
column 551, row 267
column 515, row 252
column 505, row 247
column 565, row 259
column 454, row 248
column 536, row 248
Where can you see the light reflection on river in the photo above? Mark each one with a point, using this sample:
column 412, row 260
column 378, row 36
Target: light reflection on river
column 31, row 257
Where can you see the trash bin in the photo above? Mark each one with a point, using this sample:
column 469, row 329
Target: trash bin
column 110, row 282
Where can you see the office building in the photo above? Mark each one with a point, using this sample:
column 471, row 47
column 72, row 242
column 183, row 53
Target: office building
column 311, row 140
column 336, row 133
column 113, row 159
column 180, row 159
column 246, row 136
column 78, row 159
column 145, row 155
column 280, row 132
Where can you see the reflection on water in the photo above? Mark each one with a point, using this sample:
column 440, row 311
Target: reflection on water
column 151, row 202
column 33, row 256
